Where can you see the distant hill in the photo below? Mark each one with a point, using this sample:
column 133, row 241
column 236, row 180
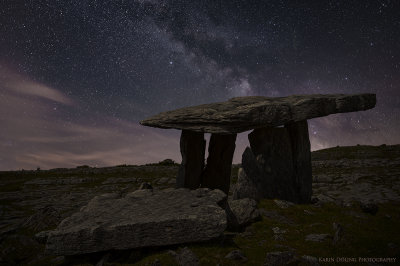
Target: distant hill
column 357, row 152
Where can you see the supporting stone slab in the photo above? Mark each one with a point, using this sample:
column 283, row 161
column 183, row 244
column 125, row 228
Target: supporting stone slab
column 272, row 150
column 278, row 164
column 217, row 172
column 193, row 147
column 301, row 150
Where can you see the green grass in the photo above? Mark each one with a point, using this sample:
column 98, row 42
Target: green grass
column 364, row 235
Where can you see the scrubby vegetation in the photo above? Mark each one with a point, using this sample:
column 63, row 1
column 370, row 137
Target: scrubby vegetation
column 24, row 193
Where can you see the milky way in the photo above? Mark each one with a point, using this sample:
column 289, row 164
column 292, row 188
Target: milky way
column 77, row 76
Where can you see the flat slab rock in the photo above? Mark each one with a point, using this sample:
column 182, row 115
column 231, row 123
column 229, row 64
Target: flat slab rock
column 245, row 113
column 142, row 218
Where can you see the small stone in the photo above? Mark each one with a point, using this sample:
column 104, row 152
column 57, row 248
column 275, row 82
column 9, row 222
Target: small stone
column 277, row 230
column 278, row 237
column 172, row 253
column 163, row 180
column 323, row 198
column 308, row 212
column 186, row 257
column 236, row 255
column 317, row 237
column 41, row 237
column 283, row 204
column 156, row 262
column 145, row 185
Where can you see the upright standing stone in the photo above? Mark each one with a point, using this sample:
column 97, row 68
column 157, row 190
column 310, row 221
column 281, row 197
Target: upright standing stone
column 272, row 150
column 193, row 147
column 301, row 151
column 278, row 164
column 217, row 172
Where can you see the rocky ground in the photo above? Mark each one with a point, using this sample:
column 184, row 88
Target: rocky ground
column 361, row 173
column 354, row 215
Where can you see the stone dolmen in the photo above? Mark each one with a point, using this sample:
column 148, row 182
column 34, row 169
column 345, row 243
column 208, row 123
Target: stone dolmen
column 276, row 165
column 278, row 162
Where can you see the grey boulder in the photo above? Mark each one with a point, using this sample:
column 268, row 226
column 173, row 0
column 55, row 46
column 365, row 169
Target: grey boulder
column 242, row 212
column 245, row 187
column 142, row 218
column 283, row 204
column 236, row 255
column 185, row 257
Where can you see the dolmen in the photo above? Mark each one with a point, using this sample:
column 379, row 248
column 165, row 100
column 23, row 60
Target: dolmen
column 276, row 165
column 278, row 162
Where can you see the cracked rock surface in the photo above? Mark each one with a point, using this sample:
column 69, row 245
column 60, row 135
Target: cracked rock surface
column 143, row 218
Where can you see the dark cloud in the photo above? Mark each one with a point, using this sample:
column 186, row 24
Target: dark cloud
column 36, row 133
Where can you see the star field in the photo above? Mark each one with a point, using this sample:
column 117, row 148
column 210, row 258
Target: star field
column 77, row 76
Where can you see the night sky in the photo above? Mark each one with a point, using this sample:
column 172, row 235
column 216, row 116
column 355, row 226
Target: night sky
column 76, row 77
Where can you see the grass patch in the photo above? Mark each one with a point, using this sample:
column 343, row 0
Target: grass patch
column 364, row 235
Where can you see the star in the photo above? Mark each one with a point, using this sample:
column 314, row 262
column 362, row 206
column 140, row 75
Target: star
column 105, row 66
